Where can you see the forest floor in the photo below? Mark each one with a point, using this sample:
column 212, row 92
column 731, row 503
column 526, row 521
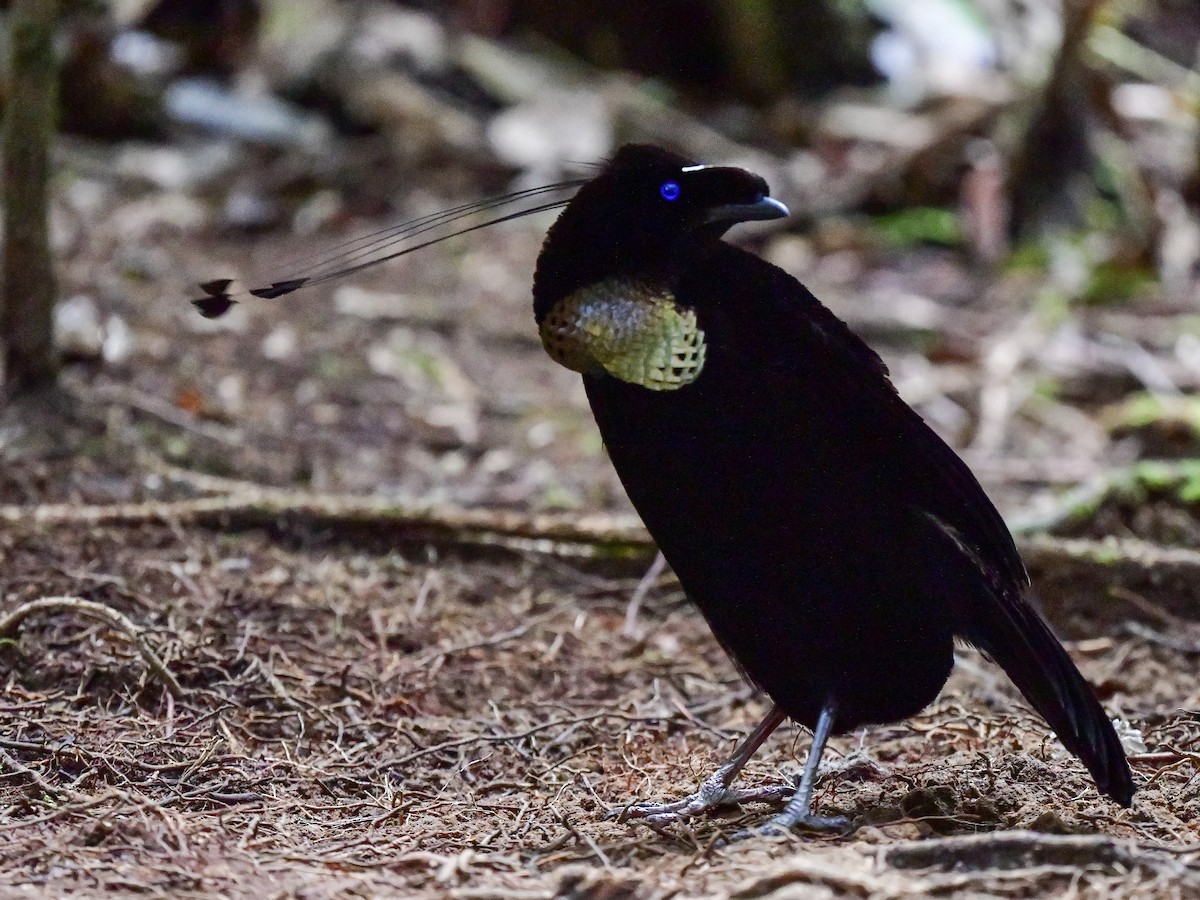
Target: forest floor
column 368, row 711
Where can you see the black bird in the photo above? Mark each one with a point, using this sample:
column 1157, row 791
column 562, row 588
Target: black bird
column 835, row 544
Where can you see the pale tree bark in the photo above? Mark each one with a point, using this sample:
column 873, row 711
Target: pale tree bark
column 27, row 302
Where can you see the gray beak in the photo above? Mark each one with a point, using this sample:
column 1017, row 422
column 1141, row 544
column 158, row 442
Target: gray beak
column 762, row 209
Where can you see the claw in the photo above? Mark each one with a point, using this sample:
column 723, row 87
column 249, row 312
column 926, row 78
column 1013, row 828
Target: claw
column 785, row 824
column 710, row 796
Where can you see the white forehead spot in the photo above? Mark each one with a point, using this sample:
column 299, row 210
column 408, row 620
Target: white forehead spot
column 694, row 168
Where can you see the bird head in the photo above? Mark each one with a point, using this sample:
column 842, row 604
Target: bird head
column 603, row 291
column 636, row 212
column 668, row 193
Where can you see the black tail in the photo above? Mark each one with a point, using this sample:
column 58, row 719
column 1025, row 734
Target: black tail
column 994, row 615
column 1012, row 633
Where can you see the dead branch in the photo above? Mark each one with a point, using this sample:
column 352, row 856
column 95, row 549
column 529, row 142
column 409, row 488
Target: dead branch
column 1011, row 850
column 566, row 534
column 89, row 608
column 1112, row 554
column 261, row 507
column 1096, row 579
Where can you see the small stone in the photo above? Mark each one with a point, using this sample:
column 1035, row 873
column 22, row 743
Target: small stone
column 77, row 330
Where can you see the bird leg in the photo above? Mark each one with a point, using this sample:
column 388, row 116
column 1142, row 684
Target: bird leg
column 714, row 791
column 798, row 812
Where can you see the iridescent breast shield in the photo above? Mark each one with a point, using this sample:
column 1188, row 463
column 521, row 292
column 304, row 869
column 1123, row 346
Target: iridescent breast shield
column 633, row 331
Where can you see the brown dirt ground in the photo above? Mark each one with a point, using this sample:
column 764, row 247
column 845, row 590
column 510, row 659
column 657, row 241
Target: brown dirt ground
column 370, row 719
column 366, row 716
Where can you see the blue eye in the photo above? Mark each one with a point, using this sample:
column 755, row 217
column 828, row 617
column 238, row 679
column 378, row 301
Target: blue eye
column 669, row 190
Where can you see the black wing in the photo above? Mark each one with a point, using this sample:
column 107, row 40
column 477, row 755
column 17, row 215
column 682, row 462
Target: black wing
column 989, row 578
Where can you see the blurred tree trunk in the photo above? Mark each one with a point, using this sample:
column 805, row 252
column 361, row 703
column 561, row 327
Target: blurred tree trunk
column 27, row 303
column 753, row 46
column 751, row 50
column 1050, row 177
column 1191, row 187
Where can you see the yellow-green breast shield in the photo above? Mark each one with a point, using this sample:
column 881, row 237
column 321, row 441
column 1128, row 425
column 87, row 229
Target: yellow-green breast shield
column 632, row 331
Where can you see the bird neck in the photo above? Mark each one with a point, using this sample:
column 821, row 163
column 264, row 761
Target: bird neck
column 573, row 260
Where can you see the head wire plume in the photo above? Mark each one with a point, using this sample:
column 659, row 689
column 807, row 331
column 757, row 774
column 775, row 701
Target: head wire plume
column 389, row 243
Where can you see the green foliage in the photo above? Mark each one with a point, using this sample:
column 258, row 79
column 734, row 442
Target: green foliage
column 1115, row 282
column 1144, row 409
column 921, row 225
column 1103, row 278
column 1182, row 479
column 1031, row 256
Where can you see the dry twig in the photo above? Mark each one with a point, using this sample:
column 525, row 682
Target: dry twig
column 89, row 608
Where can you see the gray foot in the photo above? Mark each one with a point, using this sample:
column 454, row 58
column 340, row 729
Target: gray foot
column 712, row 794
column 785, row 823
